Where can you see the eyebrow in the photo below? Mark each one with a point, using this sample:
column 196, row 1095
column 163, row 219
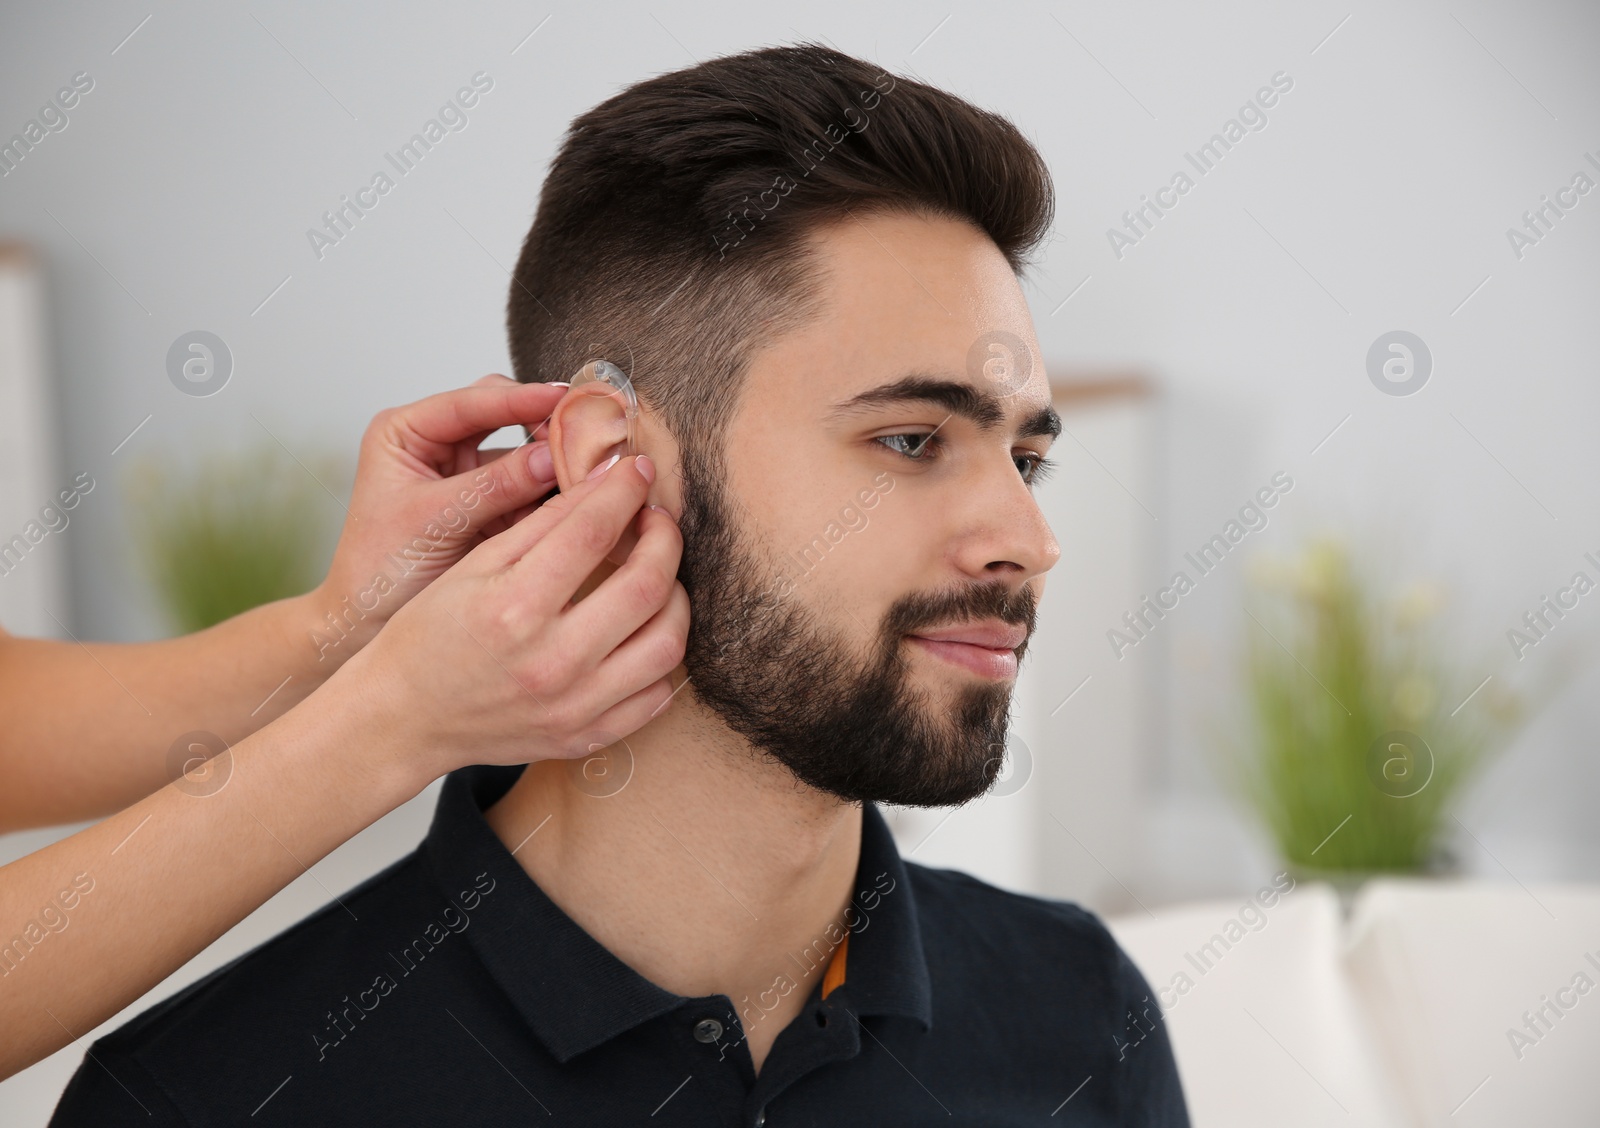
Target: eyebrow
column 982, row 408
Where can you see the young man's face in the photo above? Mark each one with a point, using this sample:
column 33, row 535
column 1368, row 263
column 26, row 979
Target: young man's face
column 862, row 592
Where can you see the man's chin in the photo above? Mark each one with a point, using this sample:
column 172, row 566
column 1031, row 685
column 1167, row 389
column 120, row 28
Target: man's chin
column 946, row 793
column 955, row 762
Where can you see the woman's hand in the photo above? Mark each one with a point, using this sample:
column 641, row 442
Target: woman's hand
column 494, row 663
column 424, row 495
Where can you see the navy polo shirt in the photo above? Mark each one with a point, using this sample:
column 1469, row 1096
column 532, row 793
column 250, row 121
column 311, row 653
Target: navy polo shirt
column 448, row 989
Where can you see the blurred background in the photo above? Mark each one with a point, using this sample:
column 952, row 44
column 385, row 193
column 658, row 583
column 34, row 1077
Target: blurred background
column 1379, row 287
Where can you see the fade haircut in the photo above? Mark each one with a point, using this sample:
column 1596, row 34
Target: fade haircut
column 671, row 234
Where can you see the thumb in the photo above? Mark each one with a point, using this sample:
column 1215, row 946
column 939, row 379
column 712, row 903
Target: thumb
column 505, row 548
column 513, row 480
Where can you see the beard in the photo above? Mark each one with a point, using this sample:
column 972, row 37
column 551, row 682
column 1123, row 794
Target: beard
column 853, row 726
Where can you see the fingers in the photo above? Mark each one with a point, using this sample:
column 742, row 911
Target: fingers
column 533, row 525
column 635, row 592
column 629, row 716
column 481, row 408
column 510, row 481
column 654, row 650
column 509, row 519
column 564, row 556
column 518, row 537
column 631, row 686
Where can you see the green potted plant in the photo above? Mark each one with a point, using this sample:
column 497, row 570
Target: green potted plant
column 232, row 531
column 1362, row 735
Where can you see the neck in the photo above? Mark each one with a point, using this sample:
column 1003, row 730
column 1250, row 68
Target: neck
column 705, row 872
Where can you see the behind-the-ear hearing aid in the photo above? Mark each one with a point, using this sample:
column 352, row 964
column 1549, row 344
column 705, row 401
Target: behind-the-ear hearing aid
column 601, row 377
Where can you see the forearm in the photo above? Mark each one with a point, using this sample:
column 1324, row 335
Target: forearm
column 157, row 883
column 91, row 727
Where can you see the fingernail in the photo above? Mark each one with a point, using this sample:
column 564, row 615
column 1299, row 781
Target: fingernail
column 557, row 384
column 540, row 464
column 661, row 509
column 600, row 470
column 646, row 468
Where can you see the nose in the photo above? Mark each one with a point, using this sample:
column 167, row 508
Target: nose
column 1004, row 534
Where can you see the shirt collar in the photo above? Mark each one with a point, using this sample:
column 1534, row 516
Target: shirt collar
column 576, row 995
column 886, row 970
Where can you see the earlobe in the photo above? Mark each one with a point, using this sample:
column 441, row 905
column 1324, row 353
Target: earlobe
column 587, row 427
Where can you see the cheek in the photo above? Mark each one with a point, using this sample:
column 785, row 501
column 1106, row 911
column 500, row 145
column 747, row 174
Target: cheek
column 787, row 486
column 892, row 555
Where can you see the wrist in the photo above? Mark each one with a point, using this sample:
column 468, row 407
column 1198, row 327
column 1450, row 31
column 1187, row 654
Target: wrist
column 332, row 626
column 361, row 723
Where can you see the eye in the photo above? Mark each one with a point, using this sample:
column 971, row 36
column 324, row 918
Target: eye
column 912, row 445
column 1034, row 468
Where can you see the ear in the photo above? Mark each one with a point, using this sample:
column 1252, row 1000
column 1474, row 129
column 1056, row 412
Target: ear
column 587, row 427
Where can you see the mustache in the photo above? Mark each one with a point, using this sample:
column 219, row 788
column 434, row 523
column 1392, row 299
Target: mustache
column 993, row 600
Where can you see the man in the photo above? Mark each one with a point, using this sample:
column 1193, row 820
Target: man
column 805, row 265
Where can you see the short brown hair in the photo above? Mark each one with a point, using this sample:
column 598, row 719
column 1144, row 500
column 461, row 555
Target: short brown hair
column 670, row 235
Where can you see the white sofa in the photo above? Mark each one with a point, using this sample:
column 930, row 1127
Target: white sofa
column 1433, row 1003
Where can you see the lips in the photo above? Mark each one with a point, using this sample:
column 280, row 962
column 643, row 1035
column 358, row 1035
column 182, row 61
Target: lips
column 987, row 649
column 991, row 635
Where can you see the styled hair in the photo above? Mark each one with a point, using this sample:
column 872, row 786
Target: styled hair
column 671, row 234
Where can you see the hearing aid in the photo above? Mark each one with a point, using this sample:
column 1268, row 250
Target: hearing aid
column 601, row 377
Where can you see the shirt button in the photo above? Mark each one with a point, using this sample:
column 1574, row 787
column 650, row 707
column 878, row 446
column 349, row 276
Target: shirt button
column 707, row 1030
